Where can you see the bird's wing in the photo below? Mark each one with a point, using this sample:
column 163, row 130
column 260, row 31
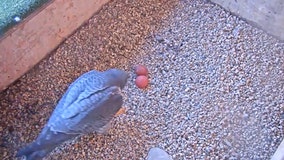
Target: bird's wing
column 90, row 82
column 81, row 85
column 90, row 113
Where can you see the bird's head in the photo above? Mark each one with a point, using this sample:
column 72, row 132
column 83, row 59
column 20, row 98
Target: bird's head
column 117, row 77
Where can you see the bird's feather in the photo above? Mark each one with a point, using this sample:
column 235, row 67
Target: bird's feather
column 98, row 110
column 88, row 106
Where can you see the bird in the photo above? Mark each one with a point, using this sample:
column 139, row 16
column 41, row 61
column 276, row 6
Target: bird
column 88, row 106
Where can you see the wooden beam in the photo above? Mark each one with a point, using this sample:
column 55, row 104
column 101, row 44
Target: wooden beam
column 30, row 41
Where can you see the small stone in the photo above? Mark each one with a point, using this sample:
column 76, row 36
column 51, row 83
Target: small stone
column 158, row 154
column 17, row 19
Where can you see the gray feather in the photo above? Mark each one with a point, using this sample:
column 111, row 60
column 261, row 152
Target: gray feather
column 87, row 106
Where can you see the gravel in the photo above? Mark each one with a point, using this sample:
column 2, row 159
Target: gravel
column 216, row 85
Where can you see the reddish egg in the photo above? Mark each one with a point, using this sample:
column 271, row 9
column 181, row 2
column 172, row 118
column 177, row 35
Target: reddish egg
column 141, row 70
column 141, row 81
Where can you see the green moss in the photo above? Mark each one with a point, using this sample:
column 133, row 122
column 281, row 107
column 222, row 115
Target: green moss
column 9, row 9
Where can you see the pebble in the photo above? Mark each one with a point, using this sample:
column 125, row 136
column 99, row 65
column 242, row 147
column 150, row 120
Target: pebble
column 158, row 154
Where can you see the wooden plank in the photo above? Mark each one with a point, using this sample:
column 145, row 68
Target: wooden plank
column 265, row 14
column 29, row 42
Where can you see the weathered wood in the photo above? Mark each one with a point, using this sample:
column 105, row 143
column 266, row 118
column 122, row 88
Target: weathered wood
column 29, row 42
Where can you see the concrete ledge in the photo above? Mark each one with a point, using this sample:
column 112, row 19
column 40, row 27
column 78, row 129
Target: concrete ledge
column 27, row 43
column 279, row 154
column 265, row 14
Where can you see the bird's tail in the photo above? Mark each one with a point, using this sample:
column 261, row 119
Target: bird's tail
column 44, row 144
column 34, row 152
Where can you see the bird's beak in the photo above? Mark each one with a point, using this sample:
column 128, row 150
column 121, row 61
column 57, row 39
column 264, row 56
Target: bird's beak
column 122, row 110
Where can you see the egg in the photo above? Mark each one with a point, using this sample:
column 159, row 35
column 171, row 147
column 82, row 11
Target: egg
column 142, row 81
column 141, row 70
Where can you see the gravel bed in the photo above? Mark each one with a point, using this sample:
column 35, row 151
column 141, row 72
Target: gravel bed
column 216, row 88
